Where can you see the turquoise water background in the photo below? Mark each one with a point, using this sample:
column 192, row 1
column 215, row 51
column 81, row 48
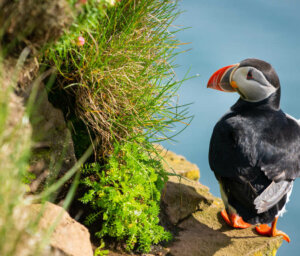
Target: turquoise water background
column 224, row 33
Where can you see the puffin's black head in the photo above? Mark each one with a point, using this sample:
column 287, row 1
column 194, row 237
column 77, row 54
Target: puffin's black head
column 254, row 79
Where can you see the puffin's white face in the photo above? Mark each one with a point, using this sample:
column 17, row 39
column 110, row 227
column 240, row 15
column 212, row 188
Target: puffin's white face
column 251, row 84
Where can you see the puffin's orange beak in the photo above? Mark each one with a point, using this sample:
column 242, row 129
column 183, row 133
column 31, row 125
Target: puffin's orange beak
column 220, row 80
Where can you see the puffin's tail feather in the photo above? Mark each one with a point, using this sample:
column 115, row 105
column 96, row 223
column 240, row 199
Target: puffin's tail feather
column 272, row 195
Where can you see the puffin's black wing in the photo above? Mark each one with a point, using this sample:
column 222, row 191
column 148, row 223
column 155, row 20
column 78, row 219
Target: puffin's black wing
column 228, row 156
column 280, row 154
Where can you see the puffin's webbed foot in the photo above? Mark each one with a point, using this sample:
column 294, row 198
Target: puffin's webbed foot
column 265, row 230
column 234, row 220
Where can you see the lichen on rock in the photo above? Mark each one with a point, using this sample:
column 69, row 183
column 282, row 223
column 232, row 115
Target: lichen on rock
column 178, row 164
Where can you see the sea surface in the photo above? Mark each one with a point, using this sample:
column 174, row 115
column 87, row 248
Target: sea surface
column 223, row 33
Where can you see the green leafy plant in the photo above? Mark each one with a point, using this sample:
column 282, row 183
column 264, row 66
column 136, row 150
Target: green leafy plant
column 125, row 195
column 100, row 250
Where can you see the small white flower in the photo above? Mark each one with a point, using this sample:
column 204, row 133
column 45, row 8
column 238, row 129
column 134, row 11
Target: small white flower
column 137, row 213
column 111, row 2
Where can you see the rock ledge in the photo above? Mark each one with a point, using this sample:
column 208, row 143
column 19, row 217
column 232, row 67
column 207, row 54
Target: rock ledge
column 196, row 213
column 189, row 208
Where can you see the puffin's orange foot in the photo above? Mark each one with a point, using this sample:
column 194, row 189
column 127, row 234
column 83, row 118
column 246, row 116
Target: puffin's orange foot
column 234, row 220
column 265, row 230
column 225, row 217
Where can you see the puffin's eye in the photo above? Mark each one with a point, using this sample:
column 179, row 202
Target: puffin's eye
column 249, row 75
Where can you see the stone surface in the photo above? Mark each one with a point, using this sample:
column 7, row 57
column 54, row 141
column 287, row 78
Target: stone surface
column 69, row 237
column 53, row 145
column 33, row 22
column 180, row 200
column 16, row 106
column 202, row 230
column 178, row 164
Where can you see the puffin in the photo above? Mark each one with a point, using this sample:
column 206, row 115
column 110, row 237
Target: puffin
column 254, row 149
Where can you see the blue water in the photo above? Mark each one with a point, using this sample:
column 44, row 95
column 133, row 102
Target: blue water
column 223, row 33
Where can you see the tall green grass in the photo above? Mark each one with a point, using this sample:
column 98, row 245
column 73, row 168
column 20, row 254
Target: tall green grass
column 121, row 79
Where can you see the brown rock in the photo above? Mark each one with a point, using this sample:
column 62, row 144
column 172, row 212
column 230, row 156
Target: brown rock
column 182, row 197
column 69, row 237
column 33, row 22
column 53, row 144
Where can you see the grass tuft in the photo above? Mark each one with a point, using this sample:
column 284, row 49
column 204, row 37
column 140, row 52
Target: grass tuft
column 121, row 79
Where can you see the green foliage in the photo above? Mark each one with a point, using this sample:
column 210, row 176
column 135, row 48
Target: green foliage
column 121, row 79
column 100, row 250
column 125, row 195
column 28, row 177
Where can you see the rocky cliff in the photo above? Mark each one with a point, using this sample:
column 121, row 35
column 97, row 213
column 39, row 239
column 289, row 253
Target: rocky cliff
column 188, row 210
